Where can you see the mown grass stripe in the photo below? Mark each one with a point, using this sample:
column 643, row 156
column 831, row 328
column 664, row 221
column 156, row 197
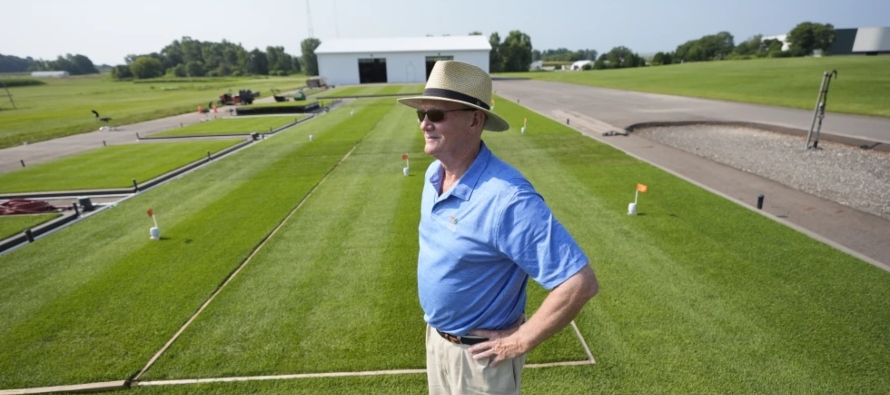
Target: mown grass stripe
column 94, row 315
column 109, row 167
column 11, row 225
column 359, row 229
column 725, row 284
column 235, row 273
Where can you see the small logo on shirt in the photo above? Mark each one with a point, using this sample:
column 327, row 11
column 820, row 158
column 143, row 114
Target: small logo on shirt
column 452, row 223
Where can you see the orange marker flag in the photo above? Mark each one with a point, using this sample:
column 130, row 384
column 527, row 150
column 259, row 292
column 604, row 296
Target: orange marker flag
column 641, row 188
column 151, row 214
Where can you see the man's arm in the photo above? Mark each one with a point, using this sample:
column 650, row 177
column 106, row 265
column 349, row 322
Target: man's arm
column 558, row 309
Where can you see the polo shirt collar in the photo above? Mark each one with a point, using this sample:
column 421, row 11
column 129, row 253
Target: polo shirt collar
column 467, row 183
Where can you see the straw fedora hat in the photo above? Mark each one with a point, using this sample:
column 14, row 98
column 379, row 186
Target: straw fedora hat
column 462, row 83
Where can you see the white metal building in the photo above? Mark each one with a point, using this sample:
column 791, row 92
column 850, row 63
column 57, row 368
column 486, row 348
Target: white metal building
column 49, row 74
column 579, row 65
column 781, row 37
column 872, row 40
column 395, row 60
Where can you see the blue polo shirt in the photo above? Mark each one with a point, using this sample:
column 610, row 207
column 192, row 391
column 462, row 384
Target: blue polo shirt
column 481, row 241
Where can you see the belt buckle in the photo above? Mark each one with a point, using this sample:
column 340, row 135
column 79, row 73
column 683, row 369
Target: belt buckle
column 452, row 338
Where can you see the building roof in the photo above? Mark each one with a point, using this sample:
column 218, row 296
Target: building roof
column 403, row 44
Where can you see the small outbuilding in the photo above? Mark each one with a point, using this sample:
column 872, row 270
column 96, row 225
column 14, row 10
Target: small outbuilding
column 395, row 60
column 579, row 65
column 55, row 74
column 861, row 41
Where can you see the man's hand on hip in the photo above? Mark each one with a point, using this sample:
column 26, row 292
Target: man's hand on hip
column 502, row 344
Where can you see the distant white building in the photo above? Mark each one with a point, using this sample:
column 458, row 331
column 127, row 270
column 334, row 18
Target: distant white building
column 579, row 65
column 781, row 37
column 536, row 65
column 49, row 74
column 395, row 60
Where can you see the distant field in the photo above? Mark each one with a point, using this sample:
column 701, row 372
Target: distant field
column 231, row 126
column 12, row 224
column 109, row 167
column 862, row 85
column 62, row 106
column 371, row 90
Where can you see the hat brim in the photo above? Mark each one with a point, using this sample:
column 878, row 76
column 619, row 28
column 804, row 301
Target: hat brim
column 493, row 122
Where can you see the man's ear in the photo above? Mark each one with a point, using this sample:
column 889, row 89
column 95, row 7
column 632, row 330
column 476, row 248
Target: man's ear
column 478, row 119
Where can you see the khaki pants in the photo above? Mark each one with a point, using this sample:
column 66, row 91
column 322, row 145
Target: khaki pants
column 451, row 370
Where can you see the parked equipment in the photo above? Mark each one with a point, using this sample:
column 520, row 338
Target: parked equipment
column 243, row 97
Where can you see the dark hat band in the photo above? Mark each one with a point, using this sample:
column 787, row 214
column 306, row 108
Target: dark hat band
column 450, row 94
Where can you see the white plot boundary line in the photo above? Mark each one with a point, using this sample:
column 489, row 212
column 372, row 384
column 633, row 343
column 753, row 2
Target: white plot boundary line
column 328, row 375
column 243, row 264
column 589, row 361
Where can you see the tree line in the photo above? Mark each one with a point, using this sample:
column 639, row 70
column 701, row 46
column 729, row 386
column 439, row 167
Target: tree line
column 803, row 39
column 564, row 55
column 195, row 58
column 74, row 64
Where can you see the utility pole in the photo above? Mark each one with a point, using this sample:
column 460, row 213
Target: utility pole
column 9, row 95
column 309, row 19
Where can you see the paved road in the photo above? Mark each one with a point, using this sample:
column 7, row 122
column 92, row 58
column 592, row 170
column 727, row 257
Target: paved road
column 624, row 108
column 595, row 110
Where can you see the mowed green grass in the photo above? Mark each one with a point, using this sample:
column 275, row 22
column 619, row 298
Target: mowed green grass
column 335, row 290
column 94, row 301
column 10, row 225
column 861, row 86
column 238, row 125
column 724, row 299
column 114, row 166
column 62, row 106
column 371, row 90
column 716, row 295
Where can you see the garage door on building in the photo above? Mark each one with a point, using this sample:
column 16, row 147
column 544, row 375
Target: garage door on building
column 371, row 70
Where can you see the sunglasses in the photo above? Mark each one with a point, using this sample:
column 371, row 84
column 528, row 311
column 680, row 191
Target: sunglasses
column 437, row 115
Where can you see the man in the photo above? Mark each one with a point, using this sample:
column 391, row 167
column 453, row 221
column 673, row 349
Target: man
column 483, row 231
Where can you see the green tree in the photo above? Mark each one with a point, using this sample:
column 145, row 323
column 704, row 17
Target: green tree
column 712, row 47
column 121, row 72
column 81, row 64
column 147, row 67
column 620, row 57
column 475, row 33
column 310, row 61
column 771, row 46
column 195, row 69
column 658, row 59
column 750, row 47
column 494, row 57
column 516, row 52
column 179, row 70
column 807, row 37
column 600, row 63
column 258, row 63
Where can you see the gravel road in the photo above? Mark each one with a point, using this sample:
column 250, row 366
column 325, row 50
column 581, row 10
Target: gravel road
column 848, row 175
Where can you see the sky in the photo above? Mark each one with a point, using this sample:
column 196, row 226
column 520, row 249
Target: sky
column 106, row 31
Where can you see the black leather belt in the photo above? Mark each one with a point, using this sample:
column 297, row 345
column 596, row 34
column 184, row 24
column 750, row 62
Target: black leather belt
column 461, row 339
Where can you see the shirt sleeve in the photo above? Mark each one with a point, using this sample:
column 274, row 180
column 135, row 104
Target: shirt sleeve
column 529, row 235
